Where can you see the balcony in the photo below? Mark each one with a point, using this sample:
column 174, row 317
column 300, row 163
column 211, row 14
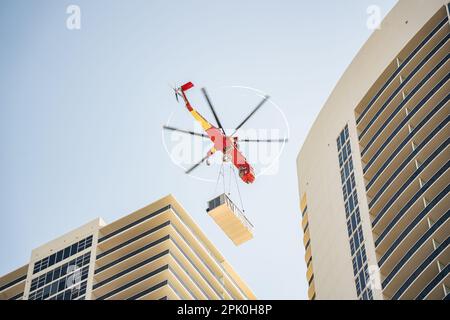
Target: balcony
column 407, row 188
column 410, row 57
column 428, row 136
column 230, row 219
column 406, row 270
column 397, row 130
column 411, row 233
column 409, row 73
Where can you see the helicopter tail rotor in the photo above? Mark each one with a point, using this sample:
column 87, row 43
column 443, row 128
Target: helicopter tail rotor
column 176, row 91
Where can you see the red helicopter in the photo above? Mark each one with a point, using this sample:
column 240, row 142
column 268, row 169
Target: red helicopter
column 227, row 144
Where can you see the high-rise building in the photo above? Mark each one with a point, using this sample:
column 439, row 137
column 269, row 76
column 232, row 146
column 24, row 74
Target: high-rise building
column 373, row 170
column 157, row 252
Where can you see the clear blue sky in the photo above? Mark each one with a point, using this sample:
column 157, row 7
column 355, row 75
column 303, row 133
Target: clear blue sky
column 81, row 113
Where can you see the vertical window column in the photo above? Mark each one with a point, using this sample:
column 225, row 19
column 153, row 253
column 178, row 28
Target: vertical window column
column 353, row 217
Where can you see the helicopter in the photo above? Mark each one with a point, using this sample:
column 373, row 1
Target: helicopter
column 228, row 145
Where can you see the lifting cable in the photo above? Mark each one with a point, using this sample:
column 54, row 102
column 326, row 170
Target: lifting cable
column 218, row 178
column 223, row 177
column 239, row 192
column 229, row 182
column 222, row 173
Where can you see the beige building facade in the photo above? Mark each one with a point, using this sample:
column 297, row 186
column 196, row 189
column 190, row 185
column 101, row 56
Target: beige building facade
column 373, row 170
column 157, row 252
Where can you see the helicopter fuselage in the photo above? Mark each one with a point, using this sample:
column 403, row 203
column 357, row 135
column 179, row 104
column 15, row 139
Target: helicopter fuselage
column 225, row 144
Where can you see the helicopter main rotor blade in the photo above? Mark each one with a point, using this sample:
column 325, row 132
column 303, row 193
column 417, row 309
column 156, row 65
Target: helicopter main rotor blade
column 251, row 113
column 196, row 165
column 208, row 100
column 263, row 140
column 186, row 131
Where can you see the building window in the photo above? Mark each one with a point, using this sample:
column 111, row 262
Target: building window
column 65, row 282
column 352, row 214
column 62, row 254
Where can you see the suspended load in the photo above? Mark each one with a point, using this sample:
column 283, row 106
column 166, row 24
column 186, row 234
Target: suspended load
column 230, row 219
